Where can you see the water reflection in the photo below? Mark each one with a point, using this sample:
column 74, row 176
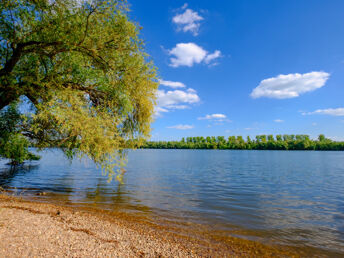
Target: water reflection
column 9, row 172
column 290, row 197
column 116, row 198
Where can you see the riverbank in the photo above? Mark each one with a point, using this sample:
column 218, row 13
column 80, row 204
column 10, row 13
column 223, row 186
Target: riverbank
column 41, row 229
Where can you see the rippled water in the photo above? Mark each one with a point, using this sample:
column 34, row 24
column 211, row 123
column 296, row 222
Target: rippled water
column 295, row 197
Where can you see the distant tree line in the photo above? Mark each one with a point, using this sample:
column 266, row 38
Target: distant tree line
column 261, row 142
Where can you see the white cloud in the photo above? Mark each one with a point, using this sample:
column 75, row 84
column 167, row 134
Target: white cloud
column 191, row 90
column 175, row 99
column 290, row 85
column 181, row 127
column 336, row 138
column 189, row 20
column 329, row 111
column 215, row 117
column 212, row 56
column 171, row 84
column 188, row 54
column 184, row 6
column 159, row 110
column 278, row 121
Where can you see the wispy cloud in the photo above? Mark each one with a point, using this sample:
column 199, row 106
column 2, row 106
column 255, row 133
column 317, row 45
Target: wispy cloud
column 336, row 138
column 172, row 84
column 278, row 121
column 181, row 127
column 188, row 54
column 328, row 111
column 290, row 85
column 188, row 21
column 212, row 56
column 215, row 117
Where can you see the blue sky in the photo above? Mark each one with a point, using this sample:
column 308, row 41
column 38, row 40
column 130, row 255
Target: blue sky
column 246, row 67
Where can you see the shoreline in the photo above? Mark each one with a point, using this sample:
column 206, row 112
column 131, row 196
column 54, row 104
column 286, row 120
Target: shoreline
column 31, row 228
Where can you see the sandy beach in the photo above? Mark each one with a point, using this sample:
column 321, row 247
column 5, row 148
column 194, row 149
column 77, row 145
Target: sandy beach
column 32, row 229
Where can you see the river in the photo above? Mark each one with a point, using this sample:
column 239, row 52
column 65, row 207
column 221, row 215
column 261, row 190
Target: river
column 293, row 198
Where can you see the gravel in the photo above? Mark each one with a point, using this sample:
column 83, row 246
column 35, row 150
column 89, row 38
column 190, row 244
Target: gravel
column 32, row 229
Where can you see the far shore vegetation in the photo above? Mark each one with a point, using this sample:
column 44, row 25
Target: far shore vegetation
column 260, row 142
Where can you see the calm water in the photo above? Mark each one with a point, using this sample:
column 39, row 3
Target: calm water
column 295, row 198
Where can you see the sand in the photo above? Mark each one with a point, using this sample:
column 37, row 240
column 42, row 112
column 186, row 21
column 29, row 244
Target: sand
column 33, row 229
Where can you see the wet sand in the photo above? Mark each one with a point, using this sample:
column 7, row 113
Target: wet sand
column 33, row 229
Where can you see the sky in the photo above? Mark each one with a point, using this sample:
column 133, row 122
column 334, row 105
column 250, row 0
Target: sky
column 245, row 67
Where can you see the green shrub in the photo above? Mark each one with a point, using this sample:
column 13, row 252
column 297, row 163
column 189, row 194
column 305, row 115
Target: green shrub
column 13, row 145
column 16, row 148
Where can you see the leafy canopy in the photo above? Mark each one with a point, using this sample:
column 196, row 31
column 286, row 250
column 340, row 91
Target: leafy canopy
column 82, row 66
column 13, row 145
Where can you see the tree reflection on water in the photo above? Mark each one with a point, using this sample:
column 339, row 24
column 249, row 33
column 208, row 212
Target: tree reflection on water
column 9, row 172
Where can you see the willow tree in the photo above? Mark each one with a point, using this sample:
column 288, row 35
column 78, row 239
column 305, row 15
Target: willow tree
column 82, row 68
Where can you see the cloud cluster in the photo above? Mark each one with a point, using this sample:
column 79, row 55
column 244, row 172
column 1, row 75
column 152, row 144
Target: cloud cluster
column 214, row 117
column 329, row 111
column 189, row 20
column 175, row 99
column 171, row 84
column 290, row 85
column 181, row 127
column 188, row 54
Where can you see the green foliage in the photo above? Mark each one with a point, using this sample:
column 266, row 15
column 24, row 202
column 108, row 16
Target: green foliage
column 262, row 142
column 13, row 145
column 83, row 68
column 15, row 148
column 321, row 138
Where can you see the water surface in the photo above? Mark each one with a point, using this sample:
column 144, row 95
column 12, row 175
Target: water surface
column 293, row 198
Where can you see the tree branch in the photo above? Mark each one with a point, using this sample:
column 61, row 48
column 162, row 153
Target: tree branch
column 87, row 22
column 19, row 50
